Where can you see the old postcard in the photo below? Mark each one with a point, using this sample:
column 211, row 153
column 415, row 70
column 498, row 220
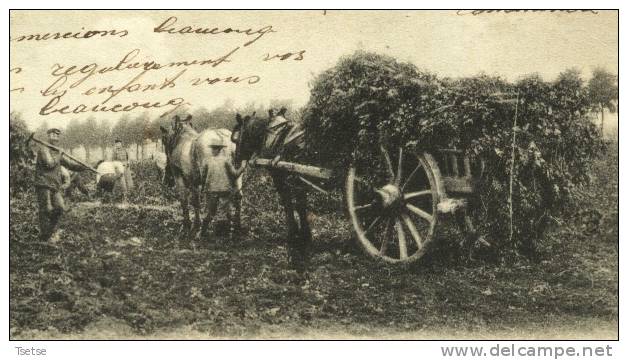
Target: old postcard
column 320, row 174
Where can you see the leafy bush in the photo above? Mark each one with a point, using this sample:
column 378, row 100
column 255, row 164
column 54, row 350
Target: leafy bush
column 21, row 157
column 369, row 99
column 362, row 98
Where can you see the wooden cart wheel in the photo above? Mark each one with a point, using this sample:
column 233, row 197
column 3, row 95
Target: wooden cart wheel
column 393, row 204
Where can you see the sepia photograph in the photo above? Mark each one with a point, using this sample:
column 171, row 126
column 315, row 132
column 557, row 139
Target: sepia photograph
column 313, row 175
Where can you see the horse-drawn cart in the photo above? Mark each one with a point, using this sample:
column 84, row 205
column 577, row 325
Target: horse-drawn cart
column 395, row 202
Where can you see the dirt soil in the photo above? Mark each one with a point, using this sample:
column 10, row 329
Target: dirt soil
column 121, row 272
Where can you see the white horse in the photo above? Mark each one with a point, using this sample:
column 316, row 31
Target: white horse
column 188, row 154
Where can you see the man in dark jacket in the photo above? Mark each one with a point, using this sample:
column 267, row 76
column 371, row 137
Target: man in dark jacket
column 49, row 185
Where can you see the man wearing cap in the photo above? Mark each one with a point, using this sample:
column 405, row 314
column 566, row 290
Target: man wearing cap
column 49, row 185
column 120, row 154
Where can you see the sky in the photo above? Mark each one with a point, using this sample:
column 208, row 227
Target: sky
column 443, row 42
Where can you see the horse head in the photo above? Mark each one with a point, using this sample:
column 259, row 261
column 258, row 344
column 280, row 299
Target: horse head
column 183, row 124
column 248, row 134
column 169, row 138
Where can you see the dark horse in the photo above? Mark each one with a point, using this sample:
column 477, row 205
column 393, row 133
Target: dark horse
column 277, row 137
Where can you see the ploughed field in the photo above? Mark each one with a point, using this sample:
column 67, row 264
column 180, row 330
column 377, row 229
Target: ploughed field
column 121, row 272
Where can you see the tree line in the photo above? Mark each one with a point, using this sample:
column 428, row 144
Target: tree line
column 92, row 134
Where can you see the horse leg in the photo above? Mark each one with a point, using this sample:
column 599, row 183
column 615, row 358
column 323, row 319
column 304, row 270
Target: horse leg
column 294, row 255
column 212, row 208
column 304, row 241
column 196, row 203
column 236, row 200
column 230, row 207
column 183, row 198
column 211, row 204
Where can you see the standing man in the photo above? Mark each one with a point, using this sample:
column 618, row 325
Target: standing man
column 120, row 154
column 220, row 183
column 49, row 185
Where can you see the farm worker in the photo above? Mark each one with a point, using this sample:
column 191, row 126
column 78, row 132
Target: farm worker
column 220, row 183
column 120, row 154
column 49, row 182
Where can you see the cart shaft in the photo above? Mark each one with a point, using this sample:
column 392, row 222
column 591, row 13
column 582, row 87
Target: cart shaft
column 307, row 170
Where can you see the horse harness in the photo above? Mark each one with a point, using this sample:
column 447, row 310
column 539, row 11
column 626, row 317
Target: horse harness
column 282, row 134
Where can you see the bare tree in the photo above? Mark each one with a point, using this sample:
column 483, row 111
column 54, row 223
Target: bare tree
column 104, row 136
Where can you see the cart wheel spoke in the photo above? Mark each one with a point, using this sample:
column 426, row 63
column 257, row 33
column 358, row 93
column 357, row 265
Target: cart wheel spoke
column 419, row 212
column 399, row 167
column 401, row 236
column 386, row 240
column 411, row 175
column 362, row 207
column 413, row 231
column 414, row 194
column 389, row 165
column 373, row 224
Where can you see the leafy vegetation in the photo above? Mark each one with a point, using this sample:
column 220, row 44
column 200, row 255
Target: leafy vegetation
column 21, row 156
column 368, row 100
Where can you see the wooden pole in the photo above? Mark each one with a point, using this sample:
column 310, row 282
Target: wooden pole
column 62, row 151
column 307, row 170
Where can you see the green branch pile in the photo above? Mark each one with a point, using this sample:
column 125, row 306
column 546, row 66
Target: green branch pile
column 370, row 99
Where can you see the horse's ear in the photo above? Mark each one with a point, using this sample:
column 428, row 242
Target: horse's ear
column 282, row 111
column 239, row 118
column 271, row 113
column 163, row 129
column 188, row 118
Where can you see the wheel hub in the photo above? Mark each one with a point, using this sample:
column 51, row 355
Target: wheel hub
column 389, row 196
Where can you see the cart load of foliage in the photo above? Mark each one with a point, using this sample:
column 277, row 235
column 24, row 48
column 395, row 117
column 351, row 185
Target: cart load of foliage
column 370, row 99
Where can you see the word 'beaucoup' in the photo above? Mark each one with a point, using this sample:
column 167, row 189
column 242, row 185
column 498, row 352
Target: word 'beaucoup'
column 168, row 27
